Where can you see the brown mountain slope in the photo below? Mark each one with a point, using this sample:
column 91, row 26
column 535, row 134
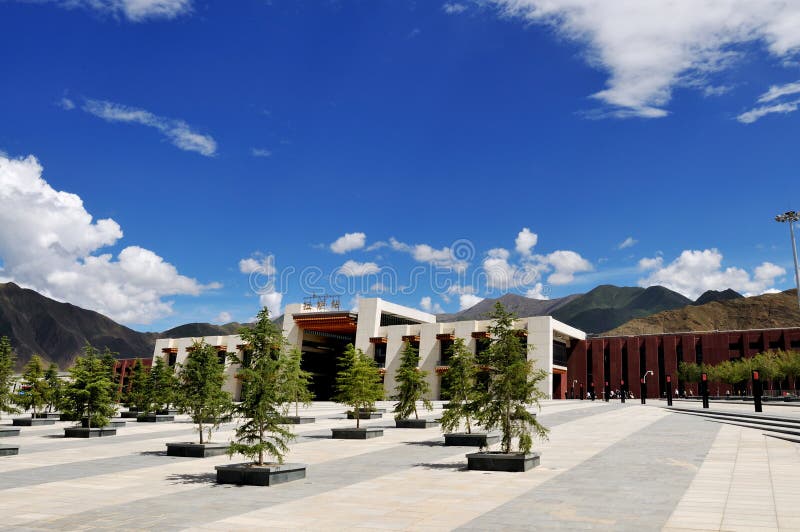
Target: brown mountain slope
column 757, row 312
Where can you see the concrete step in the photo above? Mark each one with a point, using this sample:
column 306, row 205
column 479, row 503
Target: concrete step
column 760, row 426
column 793, row 424
column 728, row 413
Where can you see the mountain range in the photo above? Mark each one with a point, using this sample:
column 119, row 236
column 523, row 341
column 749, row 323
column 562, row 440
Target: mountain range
column 58, row 331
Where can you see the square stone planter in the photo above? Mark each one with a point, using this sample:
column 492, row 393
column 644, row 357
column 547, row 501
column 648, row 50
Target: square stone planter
column 9, row 450
column 6, row 432
column 497, row 461
column 167, row 412
column 111, row 424
column 363, row 414
column 94, row 432
column 363, row 433
column 64, row 416
column 48, row 415
column 196, row 450
column 154, row 418
column 31, row 422
column 266, row 475
column 415, row 423
column 473, row 439
column 298, row 420
column 130, row 414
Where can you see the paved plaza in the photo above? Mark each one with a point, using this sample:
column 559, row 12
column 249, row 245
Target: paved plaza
column 606, row 466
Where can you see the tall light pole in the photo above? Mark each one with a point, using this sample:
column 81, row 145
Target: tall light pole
column 791, row 217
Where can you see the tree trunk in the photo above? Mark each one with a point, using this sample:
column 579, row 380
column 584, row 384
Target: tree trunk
column 358, row 415
column 261, row 449
column 200, row 427
column 296, row 409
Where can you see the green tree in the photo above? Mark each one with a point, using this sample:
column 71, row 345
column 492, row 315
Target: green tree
column 110, row 361
column 35, row 394
column 91, row 392
column 263, row 403
column 138, row 394
column 7, row 361
column 411, row 384
column 200, row 392
column 460, row 385
column 689, row 372
column 512, row 386
column 789, row 362
column 54, row 390
column 163, row 384
column 358, row 383
column 295, row 380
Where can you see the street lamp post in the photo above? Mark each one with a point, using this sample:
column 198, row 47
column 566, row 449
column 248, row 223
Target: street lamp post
column 791, row 217
column 643, row 390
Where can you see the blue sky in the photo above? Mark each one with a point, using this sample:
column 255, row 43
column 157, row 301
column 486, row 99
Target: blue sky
column 156, row 153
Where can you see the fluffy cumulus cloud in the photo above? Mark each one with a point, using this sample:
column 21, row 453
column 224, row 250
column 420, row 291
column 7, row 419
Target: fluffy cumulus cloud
column 272, row 300
column 525, row 242
column 696, row 271
column 650, row 48
column 348, row 242
column 538, row 291
column 466, row 301
column 49, row 242
column 258, row 263
column 427, row 304
column 565, row 264
column 132, row 10
column 178, row 132
column 353, row 268
column 446, row 257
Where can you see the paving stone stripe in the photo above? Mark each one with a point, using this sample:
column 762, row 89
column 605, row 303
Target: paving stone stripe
column 219, row 502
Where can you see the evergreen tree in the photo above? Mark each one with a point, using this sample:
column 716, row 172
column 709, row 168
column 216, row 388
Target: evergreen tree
column 411, row 385
column 110, row 361
column 263, row 403
column 54, row 391
column 138, row 394
column 91, row 392
column 34, row 396
column 163, row 384
column 200, row 392
column 295, row 381
column 512, row 386
column 358, row 383
column 7, row 361
column 460, row 384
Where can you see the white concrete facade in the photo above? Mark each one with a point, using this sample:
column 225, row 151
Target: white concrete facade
column 366, row 324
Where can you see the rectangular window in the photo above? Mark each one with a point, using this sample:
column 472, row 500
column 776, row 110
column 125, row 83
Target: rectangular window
column 445, row 350
column 222, row 355
column 173, row 358
column 559, row 353
column 380, row 355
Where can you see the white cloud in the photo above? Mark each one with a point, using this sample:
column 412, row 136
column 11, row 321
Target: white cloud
column 627, row 243
column 271, row 300
column 756, row 113
column 48, row 242
column 443, row 258
column 779, row 91
column 133, row 10
column 223, row 317
column 177, row 131
column 695, row 271
column 651, row 263
column 260, row 152
column 66, row 104
column 454, row 8
column 468, row 300
column 649, row 48
column 565, row 265
column 525, row 242
column 352, row 268
column 258, row 263
column 348, row 242
column 537, row 292
column 427, row 305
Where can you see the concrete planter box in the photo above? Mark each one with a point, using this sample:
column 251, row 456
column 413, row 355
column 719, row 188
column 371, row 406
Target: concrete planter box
column 48, row 415
column 111, row 424
column 130, row 414
column 474, row 439
column 362, row 414
column 267, row 475
column 6, row 432
column 31, row 422
column 497, row 461
column 196, row 450
column 66, row 417
column 364, row 433
column 154, row 418
column 298, row 420
column 94, row 432
column 415, row 423
column 167, row 412
column 9, row 450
